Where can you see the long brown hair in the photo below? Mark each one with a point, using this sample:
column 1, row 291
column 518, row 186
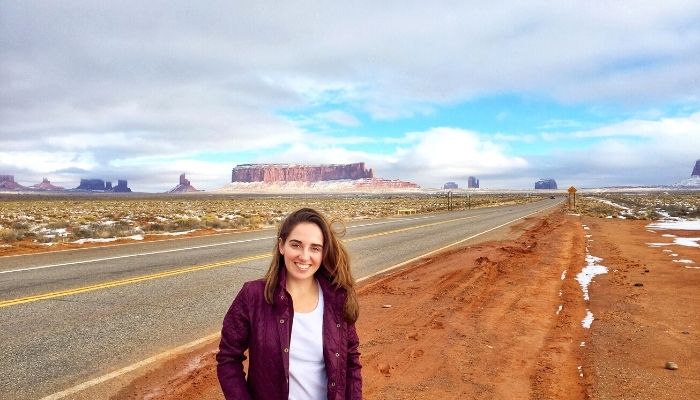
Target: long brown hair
column 335, row 262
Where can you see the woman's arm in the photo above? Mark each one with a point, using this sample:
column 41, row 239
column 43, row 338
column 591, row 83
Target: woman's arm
column 235, row 336
column 353, row 386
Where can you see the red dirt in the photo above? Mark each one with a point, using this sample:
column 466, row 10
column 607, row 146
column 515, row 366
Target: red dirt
column 481, row 322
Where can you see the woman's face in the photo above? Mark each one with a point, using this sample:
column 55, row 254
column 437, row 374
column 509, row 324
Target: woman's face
column 302, row 251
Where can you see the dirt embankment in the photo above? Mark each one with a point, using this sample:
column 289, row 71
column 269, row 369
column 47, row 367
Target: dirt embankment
column 502, row 320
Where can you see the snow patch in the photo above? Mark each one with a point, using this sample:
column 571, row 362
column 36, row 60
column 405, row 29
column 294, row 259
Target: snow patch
column 684, row 261
column 90, row 240
column 688, row 242
column 684, row 225
column 175, row 233
column 587, row 320
column 586, row 275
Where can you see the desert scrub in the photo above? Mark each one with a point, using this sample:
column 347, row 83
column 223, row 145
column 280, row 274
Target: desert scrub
column 592, row 207
column 650, row 206
column 9, row 235
column 95, row 216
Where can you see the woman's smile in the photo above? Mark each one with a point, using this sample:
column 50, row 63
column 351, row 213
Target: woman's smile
column 302, row 251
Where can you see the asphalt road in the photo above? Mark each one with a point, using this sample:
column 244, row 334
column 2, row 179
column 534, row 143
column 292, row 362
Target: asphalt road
column 70, row 316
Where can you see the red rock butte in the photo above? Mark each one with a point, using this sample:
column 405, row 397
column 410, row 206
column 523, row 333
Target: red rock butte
column 271, row 173
column 184, row 186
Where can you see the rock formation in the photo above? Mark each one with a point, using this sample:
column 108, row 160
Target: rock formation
column 472, row 183
column 296, row 178
column 450, row 185
column 101, row 185
column 91, row 184
column 46, row 185
column 694, row 180
column 184, row 186
column 299, row 173
column 7, row 182
column 546, row 183
column 122, row 187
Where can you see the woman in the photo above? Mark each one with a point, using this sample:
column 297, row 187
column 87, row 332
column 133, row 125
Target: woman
column 298, row 323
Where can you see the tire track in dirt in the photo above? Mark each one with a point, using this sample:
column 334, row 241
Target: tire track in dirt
column 484, row 325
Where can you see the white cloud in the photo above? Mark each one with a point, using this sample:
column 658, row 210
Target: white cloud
column 449, row 154
column 339, row 117
column 40, row 162
column 631, row 152
column 678, row 127
column 107, row 82
column 429, row 158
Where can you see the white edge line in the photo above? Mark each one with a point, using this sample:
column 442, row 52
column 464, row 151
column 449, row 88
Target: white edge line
column 131, row 244
column 199, row 341
column 191, row 237
column 130, row 368
column 446, row 247
column 135, row 255
column 178, row 249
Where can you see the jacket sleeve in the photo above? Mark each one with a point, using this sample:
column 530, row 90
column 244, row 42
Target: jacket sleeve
column 235, row 336
column 353, row 386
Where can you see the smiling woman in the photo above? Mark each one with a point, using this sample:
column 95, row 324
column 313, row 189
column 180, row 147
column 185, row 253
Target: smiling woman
column 298, row 323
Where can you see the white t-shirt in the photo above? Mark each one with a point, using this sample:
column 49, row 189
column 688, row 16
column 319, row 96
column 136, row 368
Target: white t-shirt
column 307, row 370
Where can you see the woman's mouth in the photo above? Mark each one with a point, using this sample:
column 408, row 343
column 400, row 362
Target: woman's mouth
column 303, row 267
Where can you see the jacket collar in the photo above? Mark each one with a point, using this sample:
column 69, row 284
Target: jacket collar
column 330, row 293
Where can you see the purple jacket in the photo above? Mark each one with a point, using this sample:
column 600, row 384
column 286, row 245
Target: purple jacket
column 265, row 331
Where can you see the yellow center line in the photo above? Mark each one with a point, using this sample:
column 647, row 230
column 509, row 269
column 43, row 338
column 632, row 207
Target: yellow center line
column 121, row 282
column 406, row 229
column 126, row 281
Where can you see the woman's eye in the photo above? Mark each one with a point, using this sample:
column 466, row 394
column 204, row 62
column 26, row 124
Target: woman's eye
column 295, row 245
column 316, row 249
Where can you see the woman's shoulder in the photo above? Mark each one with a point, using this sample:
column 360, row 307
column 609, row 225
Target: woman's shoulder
column 253, row 289
column 255, row 286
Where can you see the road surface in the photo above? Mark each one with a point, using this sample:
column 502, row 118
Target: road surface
column 70, row 316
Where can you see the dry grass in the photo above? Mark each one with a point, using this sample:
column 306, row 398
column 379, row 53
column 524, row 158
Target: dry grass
column 53, row 219
column 647, row 206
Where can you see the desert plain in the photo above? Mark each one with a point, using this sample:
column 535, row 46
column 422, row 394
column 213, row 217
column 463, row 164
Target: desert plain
column 595, row 302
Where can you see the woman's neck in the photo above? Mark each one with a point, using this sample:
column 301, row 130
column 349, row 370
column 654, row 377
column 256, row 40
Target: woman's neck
column 304, row 294
column 305, row 287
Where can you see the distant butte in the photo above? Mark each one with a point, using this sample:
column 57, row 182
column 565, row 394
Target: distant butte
column 546, row 183
column 46, row 185
column 298, row 173
column 183, row 187
column 7, row 182
column 310, row 178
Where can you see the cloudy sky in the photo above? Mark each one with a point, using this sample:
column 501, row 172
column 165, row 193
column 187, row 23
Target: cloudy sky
column 588, row 93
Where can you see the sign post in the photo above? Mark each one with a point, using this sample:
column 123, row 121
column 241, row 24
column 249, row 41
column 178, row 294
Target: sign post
column 572, row 198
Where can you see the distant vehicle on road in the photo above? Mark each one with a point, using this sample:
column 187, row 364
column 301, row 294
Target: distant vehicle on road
column 552, row 197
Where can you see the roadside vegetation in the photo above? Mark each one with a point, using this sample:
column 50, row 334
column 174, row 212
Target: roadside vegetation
column 647, row 206
column 47, row 220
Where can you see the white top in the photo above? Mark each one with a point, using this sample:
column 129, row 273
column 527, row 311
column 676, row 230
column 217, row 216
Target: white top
column 307, row 370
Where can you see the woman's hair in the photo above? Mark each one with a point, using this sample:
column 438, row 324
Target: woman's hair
column 335, row 262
